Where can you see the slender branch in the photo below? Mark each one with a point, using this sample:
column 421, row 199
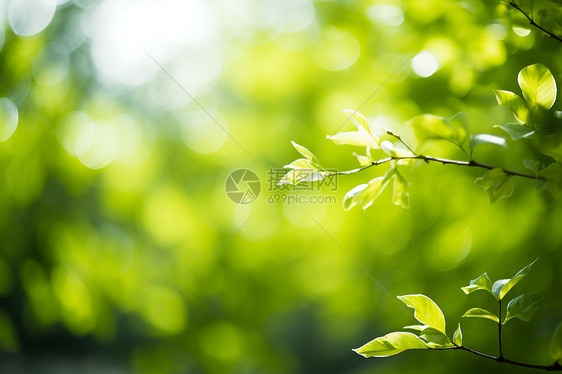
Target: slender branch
column 443, row 161
column 500, row 327
column 532, row 22
column 553, row 367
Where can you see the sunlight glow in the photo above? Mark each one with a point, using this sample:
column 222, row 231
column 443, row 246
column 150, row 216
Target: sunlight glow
column 425, row 64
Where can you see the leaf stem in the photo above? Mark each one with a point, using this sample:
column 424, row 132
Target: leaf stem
column 443, row 161
column 551, row 35
column 553, row 367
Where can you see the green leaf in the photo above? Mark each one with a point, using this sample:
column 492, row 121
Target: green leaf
column 501, row 287
column 553, row 175
column 516, row 131
column 515, row 104
column 363, row 160
column 533, row 165
column 365, row 194
column 399, row 195
column 296, row 176
column 434, row 338
column 478, row 139
column 359, row 119
column 391, row 344
column 538, row 86
column 425, row 310
column 356, row 138
column 415, row 327
column 483, row 282
column 481, row 313
column 305, row 152
column 431, row 127
column 457, row 336
column 524, row 306
column 497, row 184
column 301, row 163
column 556, row 344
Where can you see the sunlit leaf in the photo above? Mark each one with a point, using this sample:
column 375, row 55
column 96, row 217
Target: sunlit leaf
column 556, row 344
column 296, row 176
column 515, row 104
column 434, row 338
column 457, row 336
column 391, row 344
column 356, row 138
column 517, row 131
column 538, row 86
column 399, row 195
column 524, row 306
column 350, row 198
column 301, row 163
column 431, row 127
column 305, row 152
column 483, row 282
column 478, row 139
column 415, row 327
column 501, row 287
column 497, row 184
column 481, row 313
column 386, row 146
column 359, row 120
column 425, row 311
column 363, row 160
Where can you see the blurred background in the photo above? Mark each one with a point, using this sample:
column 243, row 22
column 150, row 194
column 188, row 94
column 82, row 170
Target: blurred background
column 121, row 252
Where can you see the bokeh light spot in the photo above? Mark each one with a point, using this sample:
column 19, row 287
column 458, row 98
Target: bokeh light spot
column 8, row 118
column 425, row 64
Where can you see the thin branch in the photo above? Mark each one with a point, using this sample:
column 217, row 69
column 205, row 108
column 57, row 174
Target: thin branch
column 553, row 367
column 443, row 161
column 500, row 327
column 532, row 22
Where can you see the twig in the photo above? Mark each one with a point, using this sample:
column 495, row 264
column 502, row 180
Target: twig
column 554, row 367
column 443, row 161
column 532, row 22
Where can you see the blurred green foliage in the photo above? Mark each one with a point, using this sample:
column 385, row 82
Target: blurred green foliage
column 122, row 252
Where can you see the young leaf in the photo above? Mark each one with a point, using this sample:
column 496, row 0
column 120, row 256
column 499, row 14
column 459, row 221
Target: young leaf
column 533, row 165
column 298, row 175
column 497, row 184
column 524, row 306
column 415, row 327
column 502, row 286
column 481, row 313
column 516, row 131
column 483, row 282
column 553, row 175
column 356, row 138
column 305, row 152
column 358, row 118
column 515, row 104
column 399, row 195
column 457, row 336
column 425, row 311
column 391, row 344
column 538, row 86
column 350, row 198
column 431, row 127
column 363, row 160
column 434, row 338
column 301, row 163
column 478, row 139
column 556, row 344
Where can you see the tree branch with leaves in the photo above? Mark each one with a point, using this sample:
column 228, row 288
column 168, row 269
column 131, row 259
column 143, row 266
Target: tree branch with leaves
column 432, row 335
column 539, row 90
